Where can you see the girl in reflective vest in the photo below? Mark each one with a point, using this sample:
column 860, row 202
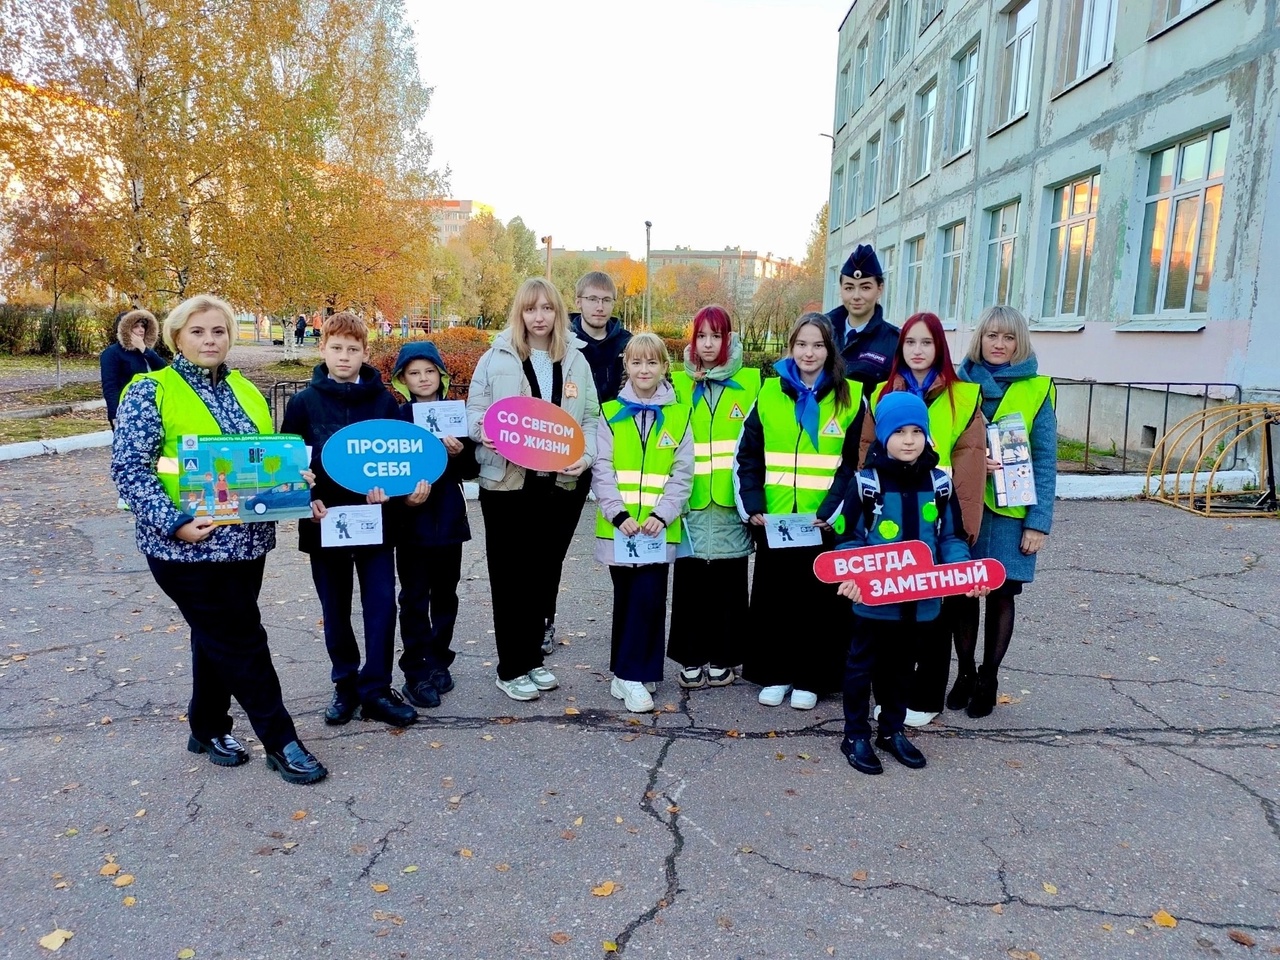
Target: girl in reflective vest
column 720, row 391
column 922, row 367
column 786, row 458
column 644, row 470
column 1001, row 362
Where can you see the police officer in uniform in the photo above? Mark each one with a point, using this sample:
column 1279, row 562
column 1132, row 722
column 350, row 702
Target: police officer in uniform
column 865, row 339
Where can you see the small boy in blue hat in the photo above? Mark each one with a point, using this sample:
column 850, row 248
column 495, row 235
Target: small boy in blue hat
column 900, row 495
column 429, row 538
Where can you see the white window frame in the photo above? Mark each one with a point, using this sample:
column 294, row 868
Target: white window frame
column 902, row 33
column 887, row 257
column 872, row 174
column 914, row 275
column 1090, row 30
column 1002, row 239
column 861, row 66
column 1179, row 191
column 929, row 10
column 922, row 139
column 834, row 215
column 1164, row 14
column 1016, row 60
column 1055, row 286
column 842, row 96
column 951, row 274
column 893, row 152
column 880, row 46
column 852, row 186
column 964, row 116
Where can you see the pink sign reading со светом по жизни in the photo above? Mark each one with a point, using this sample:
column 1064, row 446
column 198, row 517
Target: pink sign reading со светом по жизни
column 534, row 434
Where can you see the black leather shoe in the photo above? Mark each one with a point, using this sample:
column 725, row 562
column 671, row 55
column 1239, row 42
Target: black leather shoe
column 984, row 695
column 961, row 693
column 296, row 764
column 422, row 694
column 389, row 707
column 441, row 679
column 342, row 708
column 902, row 749
column 860, row 755
column 225, row 751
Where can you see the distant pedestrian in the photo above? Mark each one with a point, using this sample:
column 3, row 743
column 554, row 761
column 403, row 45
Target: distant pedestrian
column 130, row 355
column 300, row 329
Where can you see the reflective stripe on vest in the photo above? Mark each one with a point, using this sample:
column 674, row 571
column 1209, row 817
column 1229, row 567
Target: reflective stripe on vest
column 715, row 435
column 1025, row 397
column 797, row 476
column 643, row 467
column 945, row 427
column 183, row 413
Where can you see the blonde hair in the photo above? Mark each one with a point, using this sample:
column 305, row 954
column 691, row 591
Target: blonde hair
column 598, row 279
column 527, row 296
column 179, row 315
column 1002, row 319
column 647, row 346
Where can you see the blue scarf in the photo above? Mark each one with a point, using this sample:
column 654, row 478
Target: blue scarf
column 700, row 388
column 919, row 389
column 631, row 409
column 806, row 397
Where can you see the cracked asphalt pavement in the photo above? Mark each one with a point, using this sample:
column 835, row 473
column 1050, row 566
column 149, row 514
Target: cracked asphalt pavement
column 1134, row 770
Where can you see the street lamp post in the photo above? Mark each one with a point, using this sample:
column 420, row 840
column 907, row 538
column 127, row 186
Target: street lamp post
column 547, row 241
column 648, row 318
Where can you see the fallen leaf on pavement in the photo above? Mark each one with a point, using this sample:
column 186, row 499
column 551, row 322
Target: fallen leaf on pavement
column 1242, row 938
column 673, row 809
column 1107, row 927
column 610, row 946
column 605, row 889
column 141, row 813
column 464, row 852
column 123, row 880
column 379, row 887
column 129, row 901
column 860, row 876
column 1024, row 955
column 186, row 953
column 578, row 822
column 997, row 908
column 300, row 815
column 571, row 711
column 567, row 834
column 1162, row 918
column 109, row 870
column 1049, row 888
column 52, row 941
column 384, row 915
column 502, row 867
column 410, row 869
column 560, row 938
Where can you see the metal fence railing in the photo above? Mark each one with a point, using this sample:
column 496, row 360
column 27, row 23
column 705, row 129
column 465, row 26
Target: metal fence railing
column 1119, row 424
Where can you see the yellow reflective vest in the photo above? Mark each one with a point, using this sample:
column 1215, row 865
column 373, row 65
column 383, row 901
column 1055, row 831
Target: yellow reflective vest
column 945, row 425
column 796, row 474
column 715, row 435
column 182, row 412
column 1025, row 397
column 643, row 465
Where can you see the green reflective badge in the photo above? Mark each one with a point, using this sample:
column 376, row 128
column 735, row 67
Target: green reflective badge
column 888, row 529
column 930, row 512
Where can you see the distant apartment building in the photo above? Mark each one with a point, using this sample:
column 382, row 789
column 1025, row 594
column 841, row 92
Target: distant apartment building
column 1108, row 167
column 742, row 270
column 598, row 255
column 452, row 215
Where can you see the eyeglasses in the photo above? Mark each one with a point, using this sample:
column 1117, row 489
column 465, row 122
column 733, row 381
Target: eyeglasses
column 596, row 301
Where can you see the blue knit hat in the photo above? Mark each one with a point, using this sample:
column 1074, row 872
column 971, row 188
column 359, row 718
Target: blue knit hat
column 900, row 409
column 418, row 350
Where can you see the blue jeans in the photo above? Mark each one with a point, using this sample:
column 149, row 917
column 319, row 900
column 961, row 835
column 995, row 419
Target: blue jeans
column 331, row 571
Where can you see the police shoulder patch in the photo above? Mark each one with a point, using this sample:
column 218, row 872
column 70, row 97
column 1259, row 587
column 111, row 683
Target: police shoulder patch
column 666, row 440
column 832, row 429
column 736, row 413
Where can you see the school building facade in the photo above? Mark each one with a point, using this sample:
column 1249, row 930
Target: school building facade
column 1108, row 167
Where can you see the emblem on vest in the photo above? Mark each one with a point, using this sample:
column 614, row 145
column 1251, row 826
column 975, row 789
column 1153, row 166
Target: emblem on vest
column 832, row 429
column 736, row 413
column 571, row 390
column 666, row 440
column 868, row 355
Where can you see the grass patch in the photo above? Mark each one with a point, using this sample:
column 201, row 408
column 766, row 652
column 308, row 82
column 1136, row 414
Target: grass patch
column 71, row 393
column 40, row 363
column 50, row 428
column 1072, row 451
column 296, row 369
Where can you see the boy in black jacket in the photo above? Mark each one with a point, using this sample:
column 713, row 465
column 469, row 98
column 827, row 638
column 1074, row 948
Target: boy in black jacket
column 430, row 533
column 345, row 390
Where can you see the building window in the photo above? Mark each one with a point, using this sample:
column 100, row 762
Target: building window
column 837, row 199
column 1180, row 226
column 1075, row 208
column 872, row 173
column 852, row 191
column 1091, row 26
column 915, row 271
column 952, row 273
column 928, row 10
column 966, row 73
column 893, row 154
column 1167, row 11
column 880, row 47
column 860, row 75
column 887, row 257
column 842, row 98
column 902, row 30
column 926, row 112
column 1002, row 238
column 1015, row 62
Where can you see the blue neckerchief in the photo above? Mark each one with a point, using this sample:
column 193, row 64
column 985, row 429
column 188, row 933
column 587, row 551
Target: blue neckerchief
column 700, row 388
column 631, row 409
column 806, row 397
column 920, row 389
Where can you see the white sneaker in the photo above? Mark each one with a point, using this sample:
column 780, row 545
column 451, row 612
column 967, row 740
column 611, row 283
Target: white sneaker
column 543, row 679
column 521, row 688
column 773, row 696
column 803, row 700
column 633, row 694
column 919, row 718
column 651, row 686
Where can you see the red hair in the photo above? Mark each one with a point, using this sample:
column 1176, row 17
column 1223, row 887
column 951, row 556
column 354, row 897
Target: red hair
column 941, row 357
column 715, row 318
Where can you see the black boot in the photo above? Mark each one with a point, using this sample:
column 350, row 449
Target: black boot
column 860, row 755
column 421, row 693
column 902, row 749
column 342, row 708
column 389, row 707
column 984, row 695
column 961, row 693
column 296, row 764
